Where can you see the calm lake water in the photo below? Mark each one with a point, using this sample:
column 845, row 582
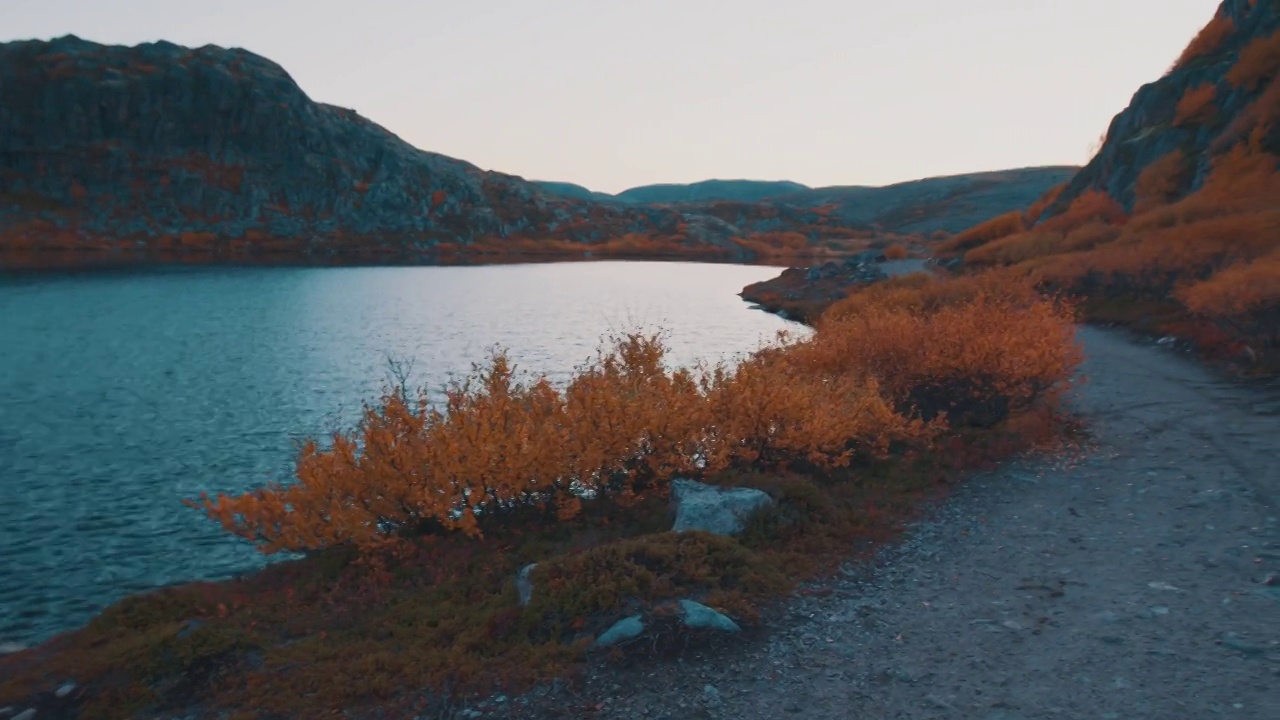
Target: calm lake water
column 123, row 393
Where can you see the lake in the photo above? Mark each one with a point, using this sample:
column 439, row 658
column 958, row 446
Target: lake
column 121, row 393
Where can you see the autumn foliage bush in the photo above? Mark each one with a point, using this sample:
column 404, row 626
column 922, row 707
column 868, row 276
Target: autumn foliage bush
column 1258, row 61
column 993, row 229
column 1160, row 182
column 1196, row 105
column 625, row 424
column 1209, row 39
column 1245, row 296
column 1033, row 213
column 975, row 348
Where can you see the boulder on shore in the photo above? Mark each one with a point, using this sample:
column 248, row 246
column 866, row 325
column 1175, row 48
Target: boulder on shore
column 718, row 510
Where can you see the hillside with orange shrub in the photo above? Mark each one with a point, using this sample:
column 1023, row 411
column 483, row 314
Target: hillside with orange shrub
column 1174, row 227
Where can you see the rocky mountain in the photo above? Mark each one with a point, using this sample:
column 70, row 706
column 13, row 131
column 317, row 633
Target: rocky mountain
column 160, row 152
column 948, row 204
column 219, row 149
column 1220, row 91
column 1173, row 229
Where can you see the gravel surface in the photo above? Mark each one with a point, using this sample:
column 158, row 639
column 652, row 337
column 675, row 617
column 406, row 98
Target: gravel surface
column 1138, row 579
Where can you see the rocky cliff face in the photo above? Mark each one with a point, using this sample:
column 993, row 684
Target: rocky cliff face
column 1154, row 125
column 210, row 146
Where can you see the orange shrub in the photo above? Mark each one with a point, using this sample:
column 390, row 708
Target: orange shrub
column 1090, row 235
column 1209, row 39
column 1160, row 182
column 895, row 252
column 769, row 411
column 1243, row 179
column 1259, row 60
column 1091, row 219
column 1016, row 248
column 1196, row 105
column 1242, row 289
column 924, row 293
column 1259, row 115
column 968, row 351
column 498, row 444
column 1033, row 213
column 993, row 229
column 1089, row 205
column 975, row 359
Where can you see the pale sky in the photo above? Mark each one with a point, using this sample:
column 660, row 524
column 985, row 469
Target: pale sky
column 616, row 93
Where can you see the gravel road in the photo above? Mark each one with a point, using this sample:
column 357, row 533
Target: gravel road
column 1138, row 579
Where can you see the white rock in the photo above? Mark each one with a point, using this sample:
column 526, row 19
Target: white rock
column 524, row 586
column 722, row 511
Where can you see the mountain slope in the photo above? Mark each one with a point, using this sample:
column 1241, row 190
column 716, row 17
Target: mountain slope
column 1199, row 108
column 219, row 149
column 1174, row 227
column 948, row 204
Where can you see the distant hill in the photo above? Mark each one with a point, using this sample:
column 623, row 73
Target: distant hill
column 670, row 193
column 575, row 192
column 950, row 203
column 162, row 149
column 736, row 190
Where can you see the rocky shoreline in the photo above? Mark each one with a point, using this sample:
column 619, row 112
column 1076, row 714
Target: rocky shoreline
column 801, row 293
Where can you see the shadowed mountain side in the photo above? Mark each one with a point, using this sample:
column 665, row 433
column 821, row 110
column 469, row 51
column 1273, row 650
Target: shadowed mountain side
column 1220, row 91
column 164, row 149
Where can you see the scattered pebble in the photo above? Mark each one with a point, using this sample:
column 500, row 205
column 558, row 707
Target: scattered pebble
column 1230, row 640
column 711, row 699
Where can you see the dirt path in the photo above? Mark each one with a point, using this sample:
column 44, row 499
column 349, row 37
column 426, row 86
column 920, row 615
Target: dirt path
column 1128, row 583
